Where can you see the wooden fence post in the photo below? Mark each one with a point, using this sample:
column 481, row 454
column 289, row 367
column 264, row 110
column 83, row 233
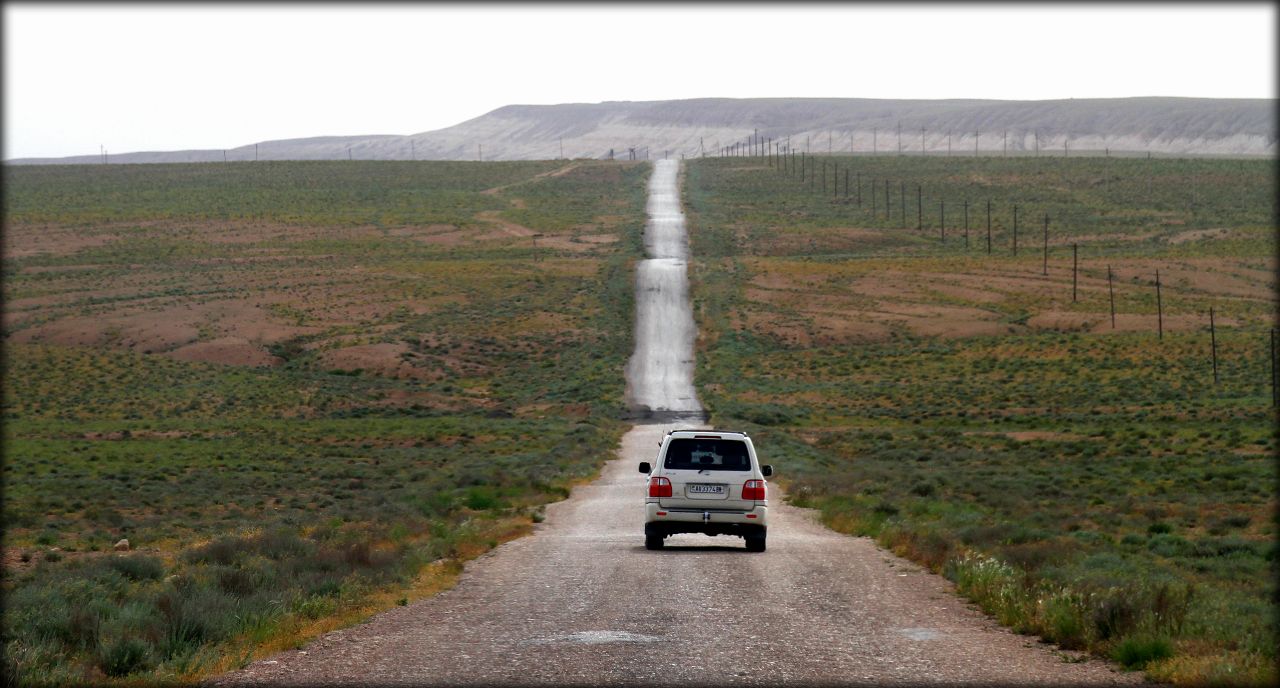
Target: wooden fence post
column 1015, row 230
column 1159, row 307
column 1045, row 269
column 902, row 198
column 919, row 207
column 1075, row 268
column 888, row 209
column 1275, row 374
column 1213, row 345
column 988, row 226
column 1112, row 292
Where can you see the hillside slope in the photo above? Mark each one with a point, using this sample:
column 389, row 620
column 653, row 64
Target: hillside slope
column 1160, row 126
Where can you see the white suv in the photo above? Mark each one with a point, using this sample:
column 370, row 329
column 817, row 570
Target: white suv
column 706, row 481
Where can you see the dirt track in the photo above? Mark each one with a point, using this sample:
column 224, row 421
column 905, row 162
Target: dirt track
column 583, row 602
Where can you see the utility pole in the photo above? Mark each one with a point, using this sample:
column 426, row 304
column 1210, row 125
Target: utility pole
column 1006, row 143
column 255, row 152
column 922, row 141
column 899, row 137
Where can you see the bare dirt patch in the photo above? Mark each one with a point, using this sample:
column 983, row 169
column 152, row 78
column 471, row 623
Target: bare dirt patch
column 227, row 350
column 385, row 359
column 1198, row 234
column 25, row 241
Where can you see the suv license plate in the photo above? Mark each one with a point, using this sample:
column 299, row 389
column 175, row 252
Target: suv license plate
column 706, row 489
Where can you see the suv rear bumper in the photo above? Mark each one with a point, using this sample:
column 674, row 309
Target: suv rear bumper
column 709, row 521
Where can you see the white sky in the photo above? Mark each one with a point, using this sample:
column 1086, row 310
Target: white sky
column 167, row 77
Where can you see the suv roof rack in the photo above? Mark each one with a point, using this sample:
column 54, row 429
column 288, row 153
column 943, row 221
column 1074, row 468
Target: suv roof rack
column 730, row 432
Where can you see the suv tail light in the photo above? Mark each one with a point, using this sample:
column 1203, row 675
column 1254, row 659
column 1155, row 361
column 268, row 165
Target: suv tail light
column 753, row 489
column 659, row 487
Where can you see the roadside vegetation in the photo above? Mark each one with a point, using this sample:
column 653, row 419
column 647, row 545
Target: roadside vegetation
column 304, row 392
column 1087, row 483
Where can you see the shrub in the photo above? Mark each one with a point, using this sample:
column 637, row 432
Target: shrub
column 315, row 607
column 137, row 567
column 481, row 498
column 1113, row 612
column 1169, row 546
column 192, row 616
column 1136, row 651
column 124, row 656
column 221, row 551
column 923, row 488
column 1063, row 617
column 885, row 509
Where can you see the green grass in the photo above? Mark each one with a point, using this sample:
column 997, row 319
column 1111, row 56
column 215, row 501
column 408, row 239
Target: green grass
column 268, row 503
column 1091, row 486
column 311, row 193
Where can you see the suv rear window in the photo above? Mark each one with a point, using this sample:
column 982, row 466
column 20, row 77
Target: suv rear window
column 707, row 454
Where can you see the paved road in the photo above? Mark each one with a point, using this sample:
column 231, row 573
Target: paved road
column 583, row 602
column 660, row 372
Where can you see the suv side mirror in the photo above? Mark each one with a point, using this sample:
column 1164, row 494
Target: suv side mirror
column 644, row 466
column 766, row 470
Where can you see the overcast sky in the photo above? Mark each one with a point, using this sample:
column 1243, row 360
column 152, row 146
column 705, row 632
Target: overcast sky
column 168, row 77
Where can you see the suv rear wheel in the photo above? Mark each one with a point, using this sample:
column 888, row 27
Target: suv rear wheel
column 755, row 541
column 652, row 538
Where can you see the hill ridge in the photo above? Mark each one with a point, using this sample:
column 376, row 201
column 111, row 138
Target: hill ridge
column 689, row 127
